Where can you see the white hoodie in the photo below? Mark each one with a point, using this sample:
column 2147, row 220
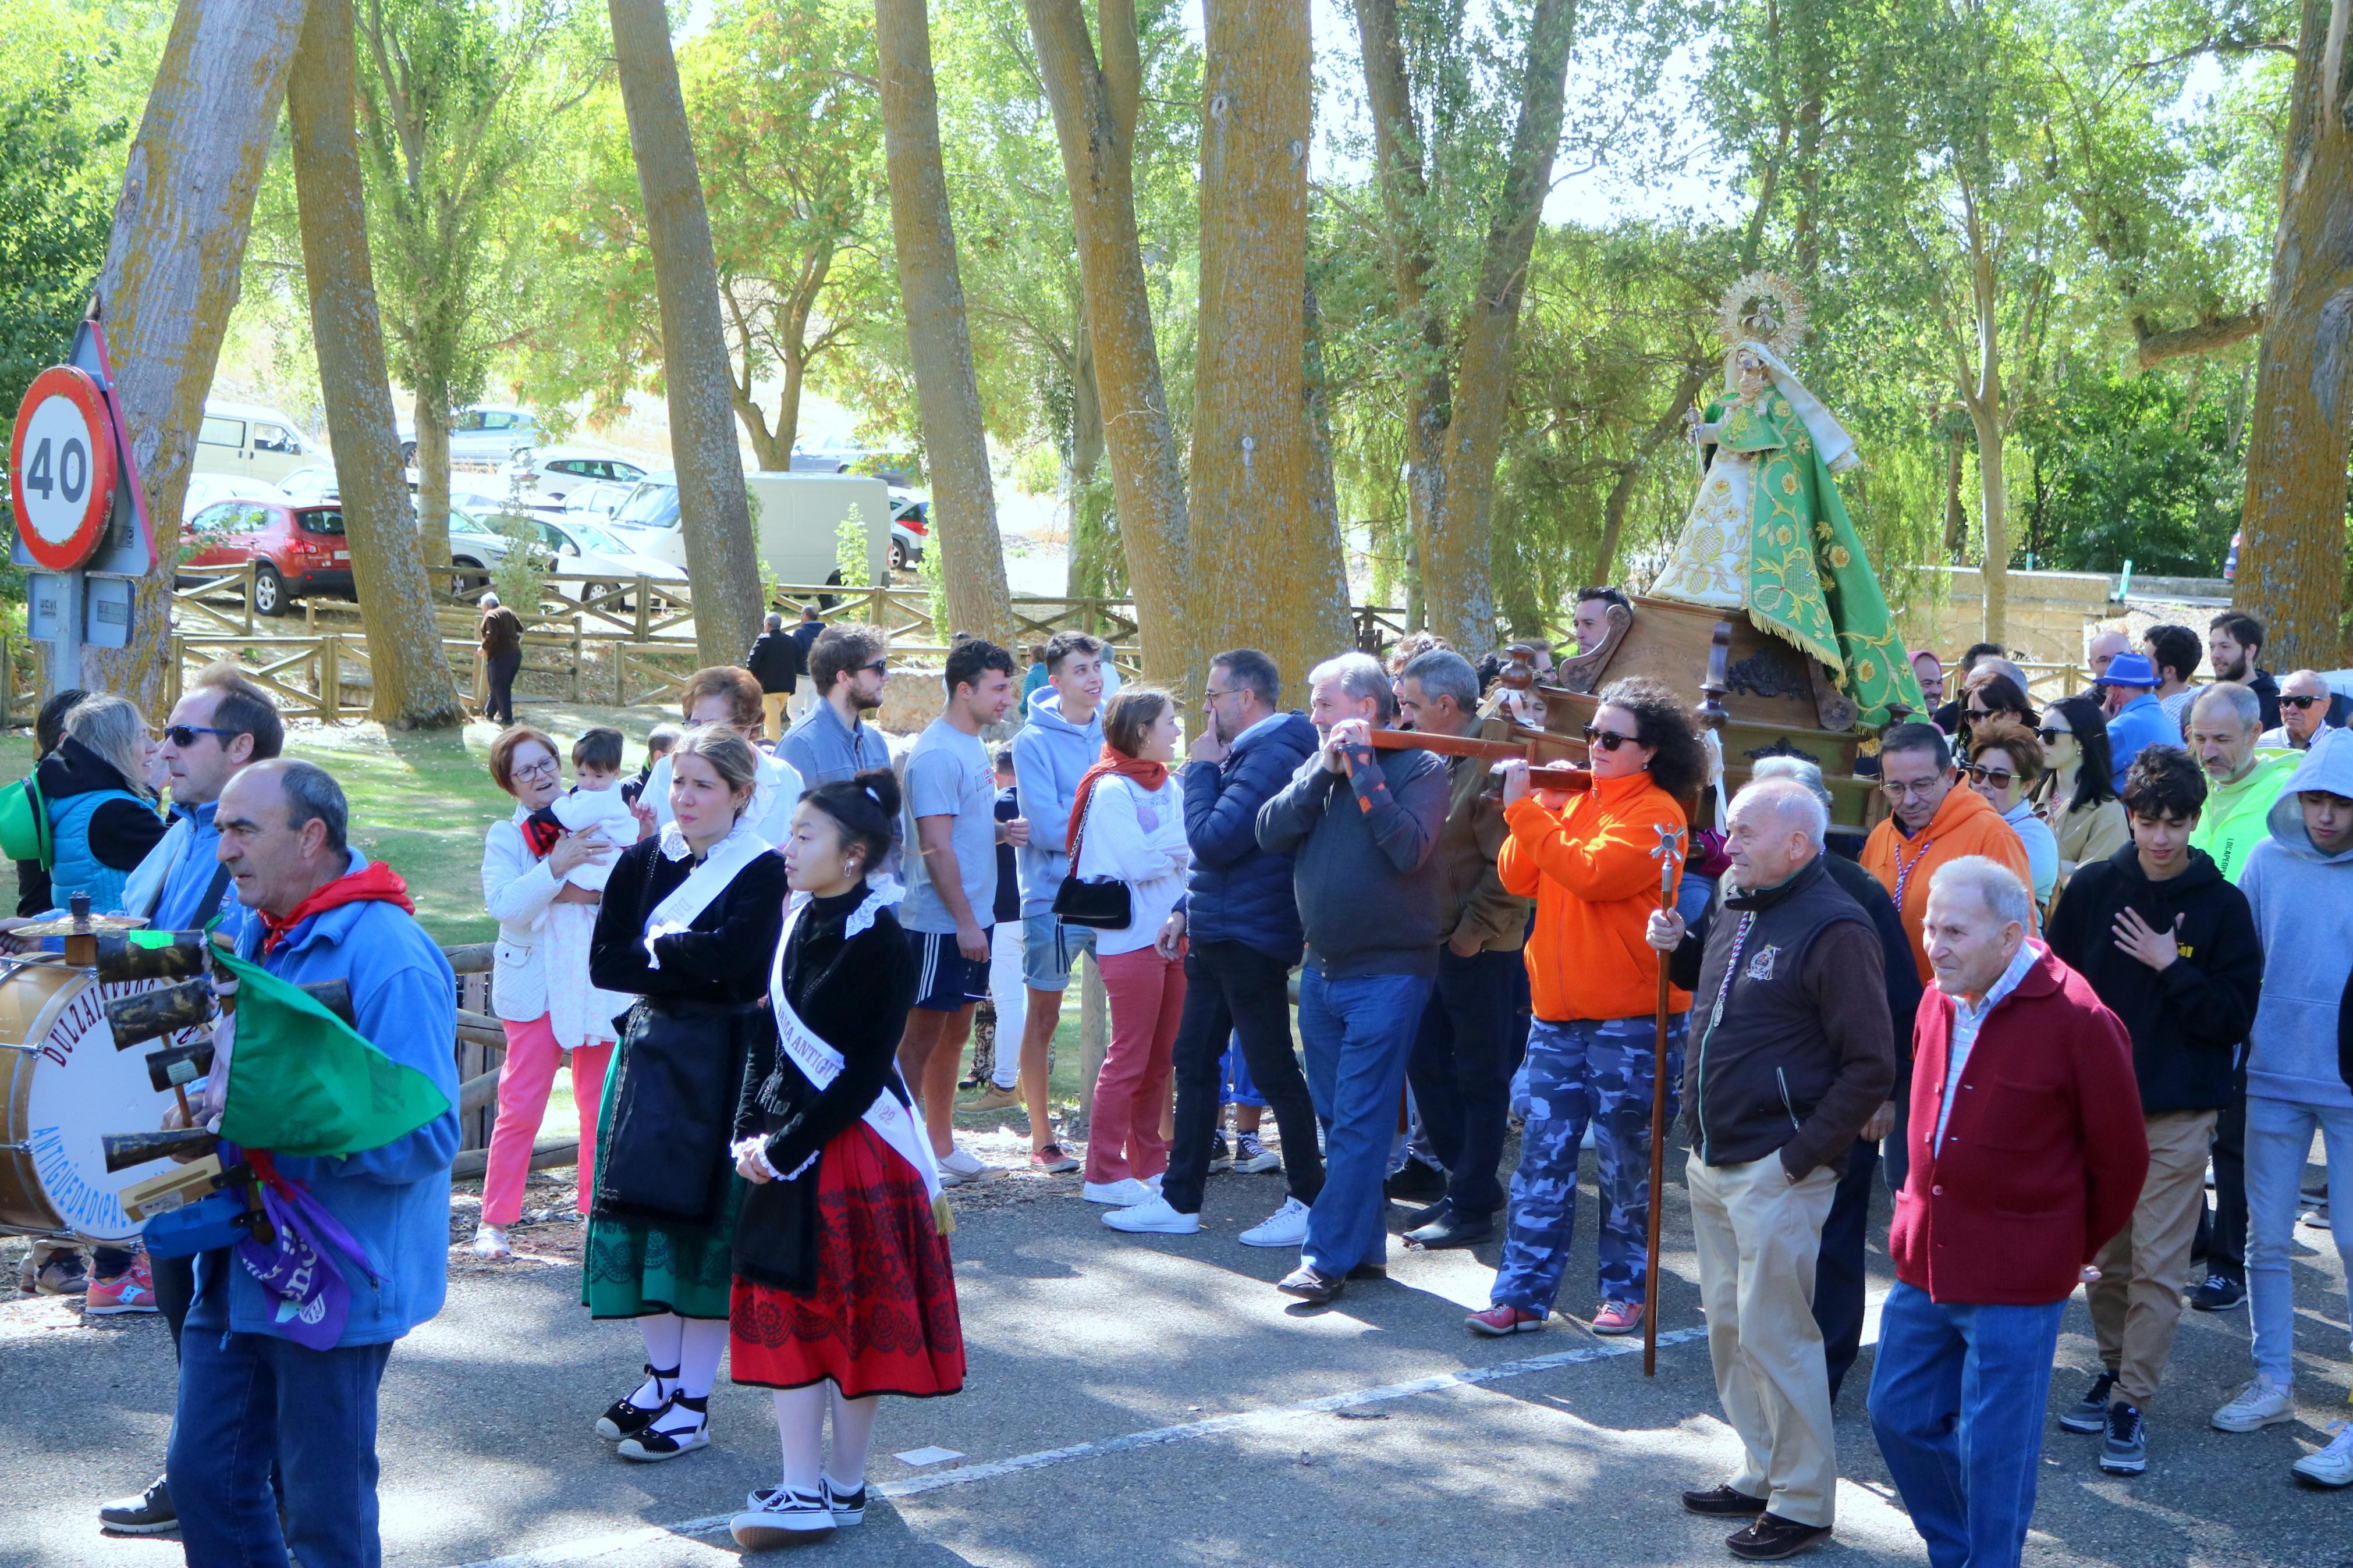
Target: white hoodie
column 1137, row 836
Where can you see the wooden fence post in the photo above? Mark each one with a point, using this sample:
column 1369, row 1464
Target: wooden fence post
column 575, row 659
column 645, row 609
column 7, row 679
column 249, row 567
column 173, row 653
column 330, row 678
column 1095, row 1040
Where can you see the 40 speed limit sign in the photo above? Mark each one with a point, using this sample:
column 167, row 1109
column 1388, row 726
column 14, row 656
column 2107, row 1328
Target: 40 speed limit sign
column 61, row 468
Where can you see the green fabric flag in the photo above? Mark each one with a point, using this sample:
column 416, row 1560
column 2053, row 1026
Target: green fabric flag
column 303, row 1082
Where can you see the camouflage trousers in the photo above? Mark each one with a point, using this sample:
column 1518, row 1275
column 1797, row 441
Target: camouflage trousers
column 1595, row 1071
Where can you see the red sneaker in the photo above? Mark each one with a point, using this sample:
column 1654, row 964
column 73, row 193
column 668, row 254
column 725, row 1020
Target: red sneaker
column 1499, row 1321
column 134, row 1292
column 1619, row 1318
column 1053, row 1160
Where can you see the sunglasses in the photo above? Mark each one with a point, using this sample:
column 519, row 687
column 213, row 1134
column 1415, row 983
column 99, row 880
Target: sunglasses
column 1998, row 777
column 2300, row 704
column 880, row 667
column 1608, row 740
column 185, row 735
column 2052, row 737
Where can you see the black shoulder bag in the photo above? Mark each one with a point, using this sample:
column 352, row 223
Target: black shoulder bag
column 1105, row 906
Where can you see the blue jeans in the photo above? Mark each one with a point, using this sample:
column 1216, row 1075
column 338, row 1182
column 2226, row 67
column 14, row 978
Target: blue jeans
column 248, row 1401
column 1956, row 1400
column 1357, row 1032
column 1585, row 1070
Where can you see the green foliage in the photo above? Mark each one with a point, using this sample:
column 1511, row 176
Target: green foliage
column 2148, row 469
column 935, row 590
column 851, row 558
column 55, row 211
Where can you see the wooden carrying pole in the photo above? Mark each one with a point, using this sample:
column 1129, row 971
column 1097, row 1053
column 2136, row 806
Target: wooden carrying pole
column 1558, row 775
column 1670, row 862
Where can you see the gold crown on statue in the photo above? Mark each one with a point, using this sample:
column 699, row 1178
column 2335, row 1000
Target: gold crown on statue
column 1764, row 308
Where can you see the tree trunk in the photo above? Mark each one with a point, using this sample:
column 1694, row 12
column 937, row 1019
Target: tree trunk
column 1094, row 123
column 939, row 343
column 2293, row 549
column 1956, row 516
column 405, row 663
column 171, row 275
column 1630, row 474
column 430, row 414
column 712, row 508
column 1253, row 497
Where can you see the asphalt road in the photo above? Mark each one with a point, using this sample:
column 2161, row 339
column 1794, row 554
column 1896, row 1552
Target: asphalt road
column 1151, row 1401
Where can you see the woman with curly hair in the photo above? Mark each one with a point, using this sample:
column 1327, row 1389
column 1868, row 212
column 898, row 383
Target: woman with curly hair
column 1591, row 860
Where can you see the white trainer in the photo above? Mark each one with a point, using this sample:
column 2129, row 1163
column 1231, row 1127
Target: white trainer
column 1286, row 1226
column 1124, row 1194
column 490, row 1241
column 2261, row 1403
column 1153, row 1217
column 2332, row 1465
column 957, row 1167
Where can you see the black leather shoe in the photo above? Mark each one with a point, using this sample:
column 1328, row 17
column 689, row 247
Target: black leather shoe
column 1429, row 1214
column 1450, row 1230
column 1315, row 1289
column 1773, row 1537
column 1725, row 1501
column 1415, row 1182
column 149, row 1513
column 1370, row 1271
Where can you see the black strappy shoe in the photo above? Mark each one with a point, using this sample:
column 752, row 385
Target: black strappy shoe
column 622, row 1419
column 653, row 1444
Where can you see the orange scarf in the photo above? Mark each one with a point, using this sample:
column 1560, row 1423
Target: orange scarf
column 1150, row 775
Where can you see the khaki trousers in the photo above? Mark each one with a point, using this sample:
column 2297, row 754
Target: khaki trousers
column 1758, row 1235
column 772, row 707
column 2136, row 1300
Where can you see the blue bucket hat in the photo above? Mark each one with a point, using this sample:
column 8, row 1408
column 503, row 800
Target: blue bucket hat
column 2129, row 669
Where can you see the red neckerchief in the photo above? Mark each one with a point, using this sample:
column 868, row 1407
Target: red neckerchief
column 378, row 884
column 1150, row 775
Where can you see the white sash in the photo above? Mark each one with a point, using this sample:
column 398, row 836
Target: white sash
column 821, row 1064
column 705, row 882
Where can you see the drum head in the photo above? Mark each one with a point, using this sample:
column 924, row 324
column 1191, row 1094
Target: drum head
column 61, row 1096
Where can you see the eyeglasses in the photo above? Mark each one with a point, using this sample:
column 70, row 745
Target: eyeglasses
column 185, row 734
column 1899, row 789
column 1998, row 777
column 2300, row 704
column 545, row 767
column 1608, row 740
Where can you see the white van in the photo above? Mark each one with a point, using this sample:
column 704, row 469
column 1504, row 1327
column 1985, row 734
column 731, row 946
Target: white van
column 794, row 518
column 251, row 442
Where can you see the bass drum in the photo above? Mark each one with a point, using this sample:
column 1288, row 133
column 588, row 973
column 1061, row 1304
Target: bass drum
column 63, row 1086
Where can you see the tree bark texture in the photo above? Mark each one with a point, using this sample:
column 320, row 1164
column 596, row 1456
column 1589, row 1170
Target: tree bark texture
column 171, row 275
column 1265, row 560
column 1457, row 428
column 939, row 341
column 1094, row 116
column 405, row 663
column 429, row 416
column 2292, row 549
column 721, row 554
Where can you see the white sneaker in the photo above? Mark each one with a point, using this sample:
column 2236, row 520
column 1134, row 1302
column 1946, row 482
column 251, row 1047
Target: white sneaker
column 2261, row 1403
column 1286, row 1226
column 2332, row 1465
column 957, row 1167
column 1154, row 1216
column 490, row 1241
column 1124, row 1194
column 782, row 1518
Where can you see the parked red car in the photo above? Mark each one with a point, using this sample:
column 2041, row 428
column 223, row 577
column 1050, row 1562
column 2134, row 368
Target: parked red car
column 297, row 550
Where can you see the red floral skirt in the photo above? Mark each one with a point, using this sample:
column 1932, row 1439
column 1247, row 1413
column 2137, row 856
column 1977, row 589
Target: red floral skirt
column 883, row 1318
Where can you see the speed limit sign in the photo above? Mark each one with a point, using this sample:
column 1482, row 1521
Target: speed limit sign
column 61, row 468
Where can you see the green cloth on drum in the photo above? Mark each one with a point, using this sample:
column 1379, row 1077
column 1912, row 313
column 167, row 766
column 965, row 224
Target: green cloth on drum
column 1810, row 581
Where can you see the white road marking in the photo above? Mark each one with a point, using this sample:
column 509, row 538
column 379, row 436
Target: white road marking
column 590, row 1548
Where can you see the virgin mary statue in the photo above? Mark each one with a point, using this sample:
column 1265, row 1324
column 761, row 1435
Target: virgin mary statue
column 1766, row 533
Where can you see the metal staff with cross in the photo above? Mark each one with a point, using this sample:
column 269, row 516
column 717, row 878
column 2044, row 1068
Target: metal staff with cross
column 1670, row 857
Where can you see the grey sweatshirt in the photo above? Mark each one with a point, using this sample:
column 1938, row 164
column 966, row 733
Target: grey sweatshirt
column 1361, row 861
column 2303, row 902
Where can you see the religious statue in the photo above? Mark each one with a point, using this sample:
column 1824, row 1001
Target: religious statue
column 1766, row 533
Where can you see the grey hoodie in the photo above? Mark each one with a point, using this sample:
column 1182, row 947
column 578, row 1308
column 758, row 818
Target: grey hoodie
column 2303, row 911
column 1049, row 755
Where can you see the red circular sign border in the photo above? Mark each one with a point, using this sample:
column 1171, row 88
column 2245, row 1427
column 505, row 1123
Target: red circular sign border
column 82, row 389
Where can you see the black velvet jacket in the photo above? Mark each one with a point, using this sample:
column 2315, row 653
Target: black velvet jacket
column 853, row 993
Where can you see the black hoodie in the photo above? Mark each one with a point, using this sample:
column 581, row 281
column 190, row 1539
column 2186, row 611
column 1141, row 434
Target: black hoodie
column 2187, row 1020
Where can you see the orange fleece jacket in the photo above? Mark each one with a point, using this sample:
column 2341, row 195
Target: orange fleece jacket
column 1966, row 823
column 1593, row 871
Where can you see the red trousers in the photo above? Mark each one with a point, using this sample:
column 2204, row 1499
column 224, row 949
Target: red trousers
column 525, row 1078
column 1148, row 998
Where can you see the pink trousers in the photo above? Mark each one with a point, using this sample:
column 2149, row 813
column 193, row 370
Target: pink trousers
column 1148, row 998
column 525, row 1078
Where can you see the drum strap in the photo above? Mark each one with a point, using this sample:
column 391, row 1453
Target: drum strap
column 209, row 905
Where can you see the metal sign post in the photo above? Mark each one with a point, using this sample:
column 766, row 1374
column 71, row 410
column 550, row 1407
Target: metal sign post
column 82, row 528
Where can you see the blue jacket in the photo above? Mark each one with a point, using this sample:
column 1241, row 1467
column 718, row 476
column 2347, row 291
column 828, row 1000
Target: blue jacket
column 2141, row 725
column 1238, row 892
column 394, row 1199
column 1049, row 755
column 180, row 906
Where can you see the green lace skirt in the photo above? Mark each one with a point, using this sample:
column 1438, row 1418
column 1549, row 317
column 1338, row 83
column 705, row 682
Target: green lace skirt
column 629, row 1270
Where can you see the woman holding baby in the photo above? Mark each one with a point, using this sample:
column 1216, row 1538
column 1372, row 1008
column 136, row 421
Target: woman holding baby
column 542, row 883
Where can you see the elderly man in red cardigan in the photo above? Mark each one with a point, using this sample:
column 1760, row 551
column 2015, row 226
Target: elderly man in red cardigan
column 2028, row 1154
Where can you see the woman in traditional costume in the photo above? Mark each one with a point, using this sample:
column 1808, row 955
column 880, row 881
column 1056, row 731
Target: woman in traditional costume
column 843, row 1287
column 689, row 924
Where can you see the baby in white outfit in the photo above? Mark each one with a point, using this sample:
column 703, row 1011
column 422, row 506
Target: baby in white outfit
column 594, row 803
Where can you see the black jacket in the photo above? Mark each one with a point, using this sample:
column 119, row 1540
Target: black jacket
column 2187, row 1020
column 774, row 661
column 2266, row 690
column 1801, row 1054
column 1235, row 891
column 854, row 993
column 679, row 1071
